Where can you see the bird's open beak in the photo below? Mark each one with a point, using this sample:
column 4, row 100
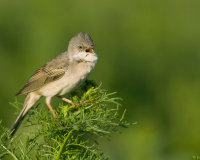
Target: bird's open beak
column 90, row 50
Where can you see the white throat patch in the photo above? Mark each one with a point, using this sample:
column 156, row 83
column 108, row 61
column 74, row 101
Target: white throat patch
column 86, row 57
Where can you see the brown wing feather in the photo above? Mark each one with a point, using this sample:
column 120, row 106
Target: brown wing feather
column 41, row 77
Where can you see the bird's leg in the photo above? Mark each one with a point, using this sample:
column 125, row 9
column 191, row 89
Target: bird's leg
column 48, row 100
column 67, row 100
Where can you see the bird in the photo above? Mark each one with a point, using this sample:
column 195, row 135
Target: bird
column 59, row 76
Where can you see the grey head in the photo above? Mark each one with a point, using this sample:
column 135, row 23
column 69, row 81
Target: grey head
column 81, row 48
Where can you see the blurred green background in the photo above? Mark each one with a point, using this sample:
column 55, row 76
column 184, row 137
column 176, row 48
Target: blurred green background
column 149, row 52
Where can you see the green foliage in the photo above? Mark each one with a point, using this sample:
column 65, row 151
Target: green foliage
column 75, row 135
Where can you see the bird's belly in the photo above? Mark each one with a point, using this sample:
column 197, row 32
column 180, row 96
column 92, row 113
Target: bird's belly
column 62, row 86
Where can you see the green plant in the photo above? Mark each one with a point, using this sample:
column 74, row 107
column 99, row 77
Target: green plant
column 75, row 135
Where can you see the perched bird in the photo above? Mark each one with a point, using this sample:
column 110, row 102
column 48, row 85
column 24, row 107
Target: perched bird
column 59, row 76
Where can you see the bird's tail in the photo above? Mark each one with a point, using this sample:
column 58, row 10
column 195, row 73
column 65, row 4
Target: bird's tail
column 30, row 100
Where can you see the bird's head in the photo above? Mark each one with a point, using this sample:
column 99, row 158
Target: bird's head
column 81, row 48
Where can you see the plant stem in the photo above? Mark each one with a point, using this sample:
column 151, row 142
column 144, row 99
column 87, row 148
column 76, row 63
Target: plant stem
column 9, row 152
column 62, row 146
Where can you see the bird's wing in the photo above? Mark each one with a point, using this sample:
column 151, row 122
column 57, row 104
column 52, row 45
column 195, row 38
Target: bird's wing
column 40, row 78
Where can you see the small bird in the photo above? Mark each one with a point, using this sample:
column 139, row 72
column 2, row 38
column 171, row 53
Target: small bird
column 59, row 76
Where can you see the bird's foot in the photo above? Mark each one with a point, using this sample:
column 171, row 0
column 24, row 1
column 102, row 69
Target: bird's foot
column 82, row 102
column 67, row 100
column 75, row 104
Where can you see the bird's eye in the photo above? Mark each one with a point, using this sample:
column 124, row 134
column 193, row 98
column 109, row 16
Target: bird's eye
column 80, row 47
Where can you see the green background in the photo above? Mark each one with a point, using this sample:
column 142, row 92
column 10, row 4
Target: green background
column 149, row 52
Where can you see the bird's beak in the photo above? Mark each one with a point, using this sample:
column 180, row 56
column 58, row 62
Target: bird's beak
column 90, row 50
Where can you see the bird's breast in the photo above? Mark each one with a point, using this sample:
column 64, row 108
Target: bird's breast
column 72, row 79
